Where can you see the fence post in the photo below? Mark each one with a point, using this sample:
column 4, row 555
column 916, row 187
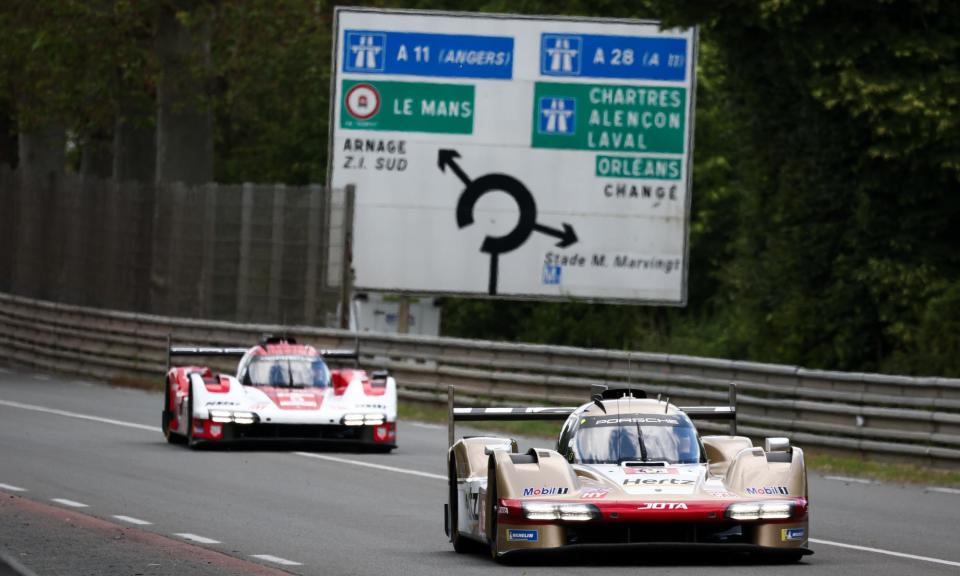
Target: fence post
column 276, row 254
column 175, row 246
column 733, row 405
column 451, row 425
column 8, row 222
column 209, row 240
column 314, row 219
column 346, row 260
column 243, row 267
column 110, row 194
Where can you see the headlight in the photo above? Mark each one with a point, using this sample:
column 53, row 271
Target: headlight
column 244, row 417
column 221, row 415
column 773, row 510
column 227, row 416
column 571, row 512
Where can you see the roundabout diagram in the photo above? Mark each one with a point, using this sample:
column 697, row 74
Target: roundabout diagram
column 526, row 225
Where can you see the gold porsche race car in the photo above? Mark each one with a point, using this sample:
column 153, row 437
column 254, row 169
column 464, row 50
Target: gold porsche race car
column 628, row 470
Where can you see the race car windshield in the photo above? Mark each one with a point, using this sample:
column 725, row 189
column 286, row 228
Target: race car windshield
column 637, row 437
column 287, row 371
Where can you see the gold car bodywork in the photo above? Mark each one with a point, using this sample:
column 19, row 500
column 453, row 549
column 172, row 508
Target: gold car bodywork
column 655, row 497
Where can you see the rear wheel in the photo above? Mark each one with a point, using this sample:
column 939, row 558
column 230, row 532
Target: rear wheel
column 492, row 511
column 191, row 441
column 167, row 417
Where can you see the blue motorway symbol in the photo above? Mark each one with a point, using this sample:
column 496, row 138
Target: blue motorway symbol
column 560, row 54
column 626, row 57
column 365, row 51
column 558, row 115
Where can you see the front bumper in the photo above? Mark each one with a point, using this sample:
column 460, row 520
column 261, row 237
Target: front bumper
column 207, row 432
column 656, row 553
column 627, row 523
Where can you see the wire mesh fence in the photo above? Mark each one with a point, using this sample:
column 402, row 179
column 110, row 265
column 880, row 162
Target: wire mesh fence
column 244, row 253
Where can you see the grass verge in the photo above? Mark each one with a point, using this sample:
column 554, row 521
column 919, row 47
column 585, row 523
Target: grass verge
column 816, row 462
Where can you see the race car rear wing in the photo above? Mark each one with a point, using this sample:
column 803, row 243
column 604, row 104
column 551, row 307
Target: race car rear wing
column 330, row 354
column 201, row 351
column 205, row 351
column 562, row 412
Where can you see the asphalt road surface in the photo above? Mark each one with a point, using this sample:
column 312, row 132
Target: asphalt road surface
column 89, row 486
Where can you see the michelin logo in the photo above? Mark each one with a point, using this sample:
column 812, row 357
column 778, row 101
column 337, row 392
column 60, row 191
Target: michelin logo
column 788, row 534
column 545, row 491
column 522, row 535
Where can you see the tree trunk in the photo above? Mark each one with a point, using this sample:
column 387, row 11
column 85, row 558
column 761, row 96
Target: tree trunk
column 8, row 136
column 97, row 156
column 43, row 150
column 184, row 116
column 134, row 144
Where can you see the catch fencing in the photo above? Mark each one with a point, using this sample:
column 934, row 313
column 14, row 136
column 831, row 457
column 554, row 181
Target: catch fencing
column 244, row 253
column 915, row 419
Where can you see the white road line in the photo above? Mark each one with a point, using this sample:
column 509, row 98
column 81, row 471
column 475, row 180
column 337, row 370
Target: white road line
column 886, row 552
column 943, row 490
column 70, row 503
column 79, row 416
column 196, row 538
column 371, row 465
column 428, row 426
column 849, row 479
column 41, row 377
column 12, row 488
column 132, row 520
column 276, row 560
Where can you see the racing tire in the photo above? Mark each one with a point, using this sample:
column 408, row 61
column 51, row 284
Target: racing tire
column 171, row 436
column 461, row 544
column 492, row 510
column 191, row 441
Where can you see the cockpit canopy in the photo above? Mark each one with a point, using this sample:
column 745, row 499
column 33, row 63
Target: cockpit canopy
column 291, row 371
column 614, row 439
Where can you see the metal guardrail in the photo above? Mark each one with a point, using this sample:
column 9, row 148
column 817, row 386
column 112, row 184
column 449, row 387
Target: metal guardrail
column 894, row 416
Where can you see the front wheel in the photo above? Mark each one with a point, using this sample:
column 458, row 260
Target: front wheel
column 461, row 544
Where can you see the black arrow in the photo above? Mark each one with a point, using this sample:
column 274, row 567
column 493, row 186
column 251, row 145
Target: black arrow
column 567, row 236
column 446, row 157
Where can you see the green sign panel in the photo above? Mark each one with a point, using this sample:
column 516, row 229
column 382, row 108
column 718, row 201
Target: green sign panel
column 645, row 167
column 609, row 117
column 407, row 106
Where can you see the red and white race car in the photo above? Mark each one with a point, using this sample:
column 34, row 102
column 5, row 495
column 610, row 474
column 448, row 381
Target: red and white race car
column 282, row 391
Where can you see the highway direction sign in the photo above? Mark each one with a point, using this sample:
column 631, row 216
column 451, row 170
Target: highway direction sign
column 517, row 157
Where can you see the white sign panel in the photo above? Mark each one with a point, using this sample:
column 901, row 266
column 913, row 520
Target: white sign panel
column 515, row 157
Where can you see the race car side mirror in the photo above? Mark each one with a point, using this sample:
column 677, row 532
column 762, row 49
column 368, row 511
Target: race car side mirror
column 778, row 444
column 491, row 448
